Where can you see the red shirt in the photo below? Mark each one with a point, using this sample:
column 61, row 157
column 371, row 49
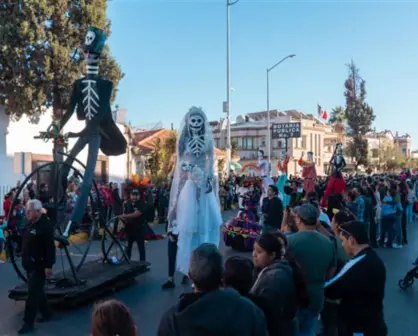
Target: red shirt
column 7, row 204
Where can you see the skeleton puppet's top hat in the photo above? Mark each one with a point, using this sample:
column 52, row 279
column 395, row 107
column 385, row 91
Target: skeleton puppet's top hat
column 94, row 41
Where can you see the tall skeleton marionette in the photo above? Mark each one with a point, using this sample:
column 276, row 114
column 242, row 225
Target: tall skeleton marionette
column 194, row 211
column 336, row 183
column 282, row 181
column 267, row 180
column 91, row 95
column 308, row 172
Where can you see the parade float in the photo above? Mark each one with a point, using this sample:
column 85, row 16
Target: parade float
column 241, row 232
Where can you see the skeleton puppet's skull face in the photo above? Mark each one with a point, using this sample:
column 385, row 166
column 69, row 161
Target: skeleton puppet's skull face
column 89, row 38
column 310, row 156
column 339, row 149
column 196, row 123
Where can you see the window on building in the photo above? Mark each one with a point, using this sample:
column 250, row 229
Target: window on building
column 263, row 142
column 304, row 141
column 311, row 147
column 250, row 143
column 239, row 142
column 375, row 153
column 404, row 150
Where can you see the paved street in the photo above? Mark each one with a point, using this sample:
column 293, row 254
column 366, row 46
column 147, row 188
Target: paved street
column 148, row 302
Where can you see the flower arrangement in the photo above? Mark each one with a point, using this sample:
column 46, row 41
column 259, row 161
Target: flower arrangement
column 241, row 233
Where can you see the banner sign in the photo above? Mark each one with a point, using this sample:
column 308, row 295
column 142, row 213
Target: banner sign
column 286, row 130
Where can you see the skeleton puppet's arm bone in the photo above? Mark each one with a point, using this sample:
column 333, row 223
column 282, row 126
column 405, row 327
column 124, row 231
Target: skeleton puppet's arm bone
column 71, row 106
column 210, row 171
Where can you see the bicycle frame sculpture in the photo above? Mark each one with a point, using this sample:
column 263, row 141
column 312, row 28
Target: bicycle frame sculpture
column 91, row 95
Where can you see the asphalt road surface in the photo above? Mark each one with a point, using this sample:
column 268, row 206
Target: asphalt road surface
column 148, row 302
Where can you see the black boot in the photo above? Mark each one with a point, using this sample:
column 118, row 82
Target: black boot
column 26, row 329
column 169, row 284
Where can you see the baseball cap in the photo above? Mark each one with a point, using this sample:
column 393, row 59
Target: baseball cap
column 307, row 212
column 355, row 229
column 135, row 192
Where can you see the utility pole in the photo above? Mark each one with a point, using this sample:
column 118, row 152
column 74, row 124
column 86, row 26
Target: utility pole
column 227, row 104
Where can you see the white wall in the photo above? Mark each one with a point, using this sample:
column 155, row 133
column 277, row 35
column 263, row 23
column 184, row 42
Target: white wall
column 16, row 137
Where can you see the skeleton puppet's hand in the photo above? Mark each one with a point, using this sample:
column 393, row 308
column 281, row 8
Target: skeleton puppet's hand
column 209, row 185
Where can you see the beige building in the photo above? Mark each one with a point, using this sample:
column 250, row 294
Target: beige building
column 403, row 142
column 378, row 142
column 250, row 135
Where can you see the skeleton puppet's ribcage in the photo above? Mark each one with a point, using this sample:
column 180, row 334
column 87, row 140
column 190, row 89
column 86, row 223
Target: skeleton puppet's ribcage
column 196, row 145
column 90, row 98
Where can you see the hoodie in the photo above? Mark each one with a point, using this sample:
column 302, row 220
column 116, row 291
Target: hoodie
column 223, row 312
column 275, row 293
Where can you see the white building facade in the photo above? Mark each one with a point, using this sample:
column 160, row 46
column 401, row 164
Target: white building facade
column 17, row 137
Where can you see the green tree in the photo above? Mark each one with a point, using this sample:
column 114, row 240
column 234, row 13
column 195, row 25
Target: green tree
column 168, row 153
column 338, row 115
column 39, row 59
column 155, row 158
column 234, row 148
column 221, row 164
column 359, row 114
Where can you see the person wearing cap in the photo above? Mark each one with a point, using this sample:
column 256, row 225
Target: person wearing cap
column 134, row 212
column 317, row 257
column 272, row 208
column 360, row 285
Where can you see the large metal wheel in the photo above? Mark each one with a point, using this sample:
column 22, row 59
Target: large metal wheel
column 406, row 282
column 76, row 252
column 113, row 246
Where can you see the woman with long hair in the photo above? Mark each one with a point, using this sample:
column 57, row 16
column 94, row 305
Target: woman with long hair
column 335, row 202
column 112, row 318
column 281, row 286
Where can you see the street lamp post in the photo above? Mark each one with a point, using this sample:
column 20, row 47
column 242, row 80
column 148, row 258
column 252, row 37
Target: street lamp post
column 227, row 108
column 268, row 111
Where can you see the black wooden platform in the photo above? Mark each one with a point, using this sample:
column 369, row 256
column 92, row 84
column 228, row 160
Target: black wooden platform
column 97, row 278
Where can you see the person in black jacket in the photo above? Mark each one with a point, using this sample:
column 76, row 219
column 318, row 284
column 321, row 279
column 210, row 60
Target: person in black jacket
column 272, row 208
column 210, row 309
column 134, row 212
column 360, row 285
column 38, row 257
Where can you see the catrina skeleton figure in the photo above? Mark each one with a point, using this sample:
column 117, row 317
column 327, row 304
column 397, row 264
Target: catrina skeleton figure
column 308, row 172
column 91, row 96
column 194, row 211
column 282, row 181
column 336, row 183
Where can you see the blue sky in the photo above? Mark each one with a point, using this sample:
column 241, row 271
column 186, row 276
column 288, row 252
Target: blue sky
column 174, row 55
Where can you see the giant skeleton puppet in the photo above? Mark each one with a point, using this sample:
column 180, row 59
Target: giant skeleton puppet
column 308, row 172
column 267, row 180
column 336, row 183
column 91, row 95
column 282, row 181
column 194, row 212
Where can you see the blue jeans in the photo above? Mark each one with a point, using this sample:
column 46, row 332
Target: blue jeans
column 308, row 322
column 93, row 140
column 408, row 214
column 398, row 230
column 388, row 229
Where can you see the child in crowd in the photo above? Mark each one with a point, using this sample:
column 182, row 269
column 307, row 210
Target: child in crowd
column 112, row 318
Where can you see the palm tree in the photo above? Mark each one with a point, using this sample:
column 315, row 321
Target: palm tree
column 338, row 115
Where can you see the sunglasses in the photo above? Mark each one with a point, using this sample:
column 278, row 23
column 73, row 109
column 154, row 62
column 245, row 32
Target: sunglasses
column 345, row 233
